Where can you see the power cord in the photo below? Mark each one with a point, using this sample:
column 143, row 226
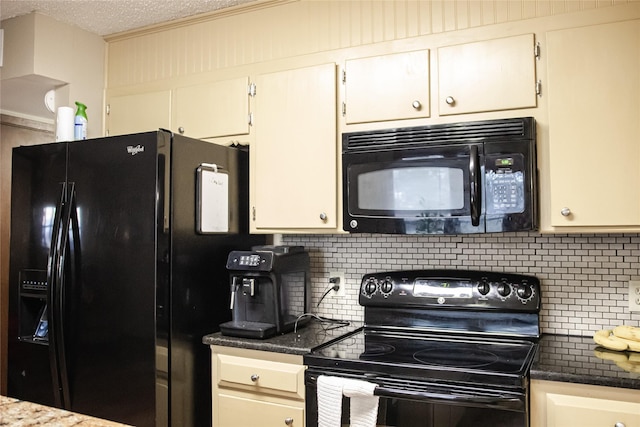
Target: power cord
column 336, row 285
column 334, row 322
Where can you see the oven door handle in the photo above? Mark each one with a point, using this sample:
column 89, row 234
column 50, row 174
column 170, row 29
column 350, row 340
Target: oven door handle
column 500, row 402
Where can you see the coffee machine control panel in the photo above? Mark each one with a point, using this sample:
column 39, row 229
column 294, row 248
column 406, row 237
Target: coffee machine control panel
column 266, row 258
column 250, row 261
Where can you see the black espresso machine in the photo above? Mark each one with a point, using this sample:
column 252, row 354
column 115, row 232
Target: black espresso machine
column 269, row 291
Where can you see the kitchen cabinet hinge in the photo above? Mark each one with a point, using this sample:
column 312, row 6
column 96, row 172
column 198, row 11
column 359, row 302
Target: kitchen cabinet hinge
column 253, row 213
column 108, row 109
column 344, row 76
column 344, row 109
column 536, row 50
column 251, row 90
column 250, row 119
column 539, row 88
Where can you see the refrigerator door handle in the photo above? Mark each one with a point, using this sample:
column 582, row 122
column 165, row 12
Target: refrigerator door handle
column 52, row 285
column 68, row 250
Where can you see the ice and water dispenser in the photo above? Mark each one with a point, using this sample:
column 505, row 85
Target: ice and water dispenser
column 32, row 309
column 269, row 291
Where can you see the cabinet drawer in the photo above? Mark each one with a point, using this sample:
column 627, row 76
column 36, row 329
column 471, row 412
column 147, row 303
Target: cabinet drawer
column 247, row 412
column 262, row 376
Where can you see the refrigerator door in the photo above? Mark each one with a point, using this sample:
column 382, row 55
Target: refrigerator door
column 37, row 200
column 109, row 309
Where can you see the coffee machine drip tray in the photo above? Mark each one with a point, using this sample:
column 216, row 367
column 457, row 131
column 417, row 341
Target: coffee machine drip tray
column 259, row 330
column 270, row 290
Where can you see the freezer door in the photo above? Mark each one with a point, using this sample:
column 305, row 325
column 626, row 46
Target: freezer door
column 110, row 308
column 38, row 189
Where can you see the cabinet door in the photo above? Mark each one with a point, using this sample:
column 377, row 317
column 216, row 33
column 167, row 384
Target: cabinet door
column 213, row 109
column 488, row 75
column 241, row 412
column 387, row 87
column 564, row 410
column 294, row 157
column 140, row 112
column 594, row 123
column 559, row 404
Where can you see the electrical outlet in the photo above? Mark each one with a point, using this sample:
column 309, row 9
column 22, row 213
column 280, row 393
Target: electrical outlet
column 634, row 295
column 343, row 284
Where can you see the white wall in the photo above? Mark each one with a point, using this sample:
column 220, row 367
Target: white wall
column 40, row 54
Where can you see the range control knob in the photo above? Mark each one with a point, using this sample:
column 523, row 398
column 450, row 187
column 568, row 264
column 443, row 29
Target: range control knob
column 386, row 286
column 483, row 287
column 504, row 289
column 370, row 286
column 524, row 291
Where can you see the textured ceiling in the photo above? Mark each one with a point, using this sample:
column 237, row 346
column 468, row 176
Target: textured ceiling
column 105, row 17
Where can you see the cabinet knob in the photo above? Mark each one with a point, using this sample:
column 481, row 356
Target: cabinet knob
column 289, row 422
column 181, row 130
column 416, row 105
column 565, row 212
column 323, row 216
column 255, row 377
column 450, row 100
column 619, row 424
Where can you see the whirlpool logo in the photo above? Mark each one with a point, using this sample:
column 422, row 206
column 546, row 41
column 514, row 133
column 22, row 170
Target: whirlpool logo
column 135, row 150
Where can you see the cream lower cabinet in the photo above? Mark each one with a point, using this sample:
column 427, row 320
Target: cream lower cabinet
column 257, row 388
column 594, row 127
column 294, row 157
column 558, row 404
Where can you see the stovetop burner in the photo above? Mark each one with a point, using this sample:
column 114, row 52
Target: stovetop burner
column 456, row 356
column 375, row 350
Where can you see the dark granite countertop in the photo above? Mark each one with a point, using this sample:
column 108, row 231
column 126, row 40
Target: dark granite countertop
column 573, row 359
column 312, row 335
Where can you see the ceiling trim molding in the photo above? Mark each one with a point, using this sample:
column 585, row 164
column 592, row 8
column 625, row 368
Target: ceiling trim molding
column 202, row 17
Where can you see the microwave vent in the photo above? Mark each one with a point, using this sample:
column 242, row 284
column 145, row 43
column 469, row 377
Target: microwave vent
column 455, row 133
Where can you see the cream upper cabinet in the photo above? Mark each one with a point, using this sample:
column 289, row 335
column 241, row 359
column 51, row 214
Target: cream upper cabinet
column 491, row 75
column 387, row 87
column 140, row 112
column 257, row 388
column 594, row 126
column 208, row 110
column 213, row 109
column 294, row 155
column 557, row 404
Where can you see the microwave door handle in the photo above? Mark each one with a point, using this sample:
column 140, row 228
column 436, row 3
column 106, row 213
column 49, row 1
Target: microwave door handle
column 475, row 194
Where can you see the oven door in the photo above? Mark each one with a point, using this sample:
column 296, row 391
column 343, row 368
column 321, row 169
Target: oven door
column 405, row 403
column 434, row 190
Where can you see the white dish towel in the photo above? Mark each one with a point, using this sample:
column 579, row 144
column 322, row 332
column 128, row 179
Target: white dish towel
column 363, row 404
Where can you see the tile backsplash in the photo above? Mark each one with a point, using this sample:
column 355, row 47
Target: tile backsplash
column 584, row 277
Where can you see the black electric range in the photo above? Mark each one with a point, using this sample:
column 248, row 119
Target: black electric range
column 449, row 344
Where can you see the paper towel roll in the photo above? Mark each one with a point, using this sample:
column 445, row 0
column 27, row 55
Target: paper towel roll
column 64, row 124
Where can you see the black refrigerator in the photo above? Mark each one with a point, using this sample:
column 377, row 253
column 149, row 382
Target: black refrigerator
column 117, row 270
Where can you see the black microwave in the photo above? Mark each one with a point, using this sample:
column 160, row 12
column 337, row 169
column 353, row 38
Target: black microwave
column 459, row 178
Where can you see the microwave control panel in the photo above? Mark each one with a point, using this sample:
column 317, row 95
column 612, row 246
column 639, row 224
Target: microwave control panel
column 505, row 183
